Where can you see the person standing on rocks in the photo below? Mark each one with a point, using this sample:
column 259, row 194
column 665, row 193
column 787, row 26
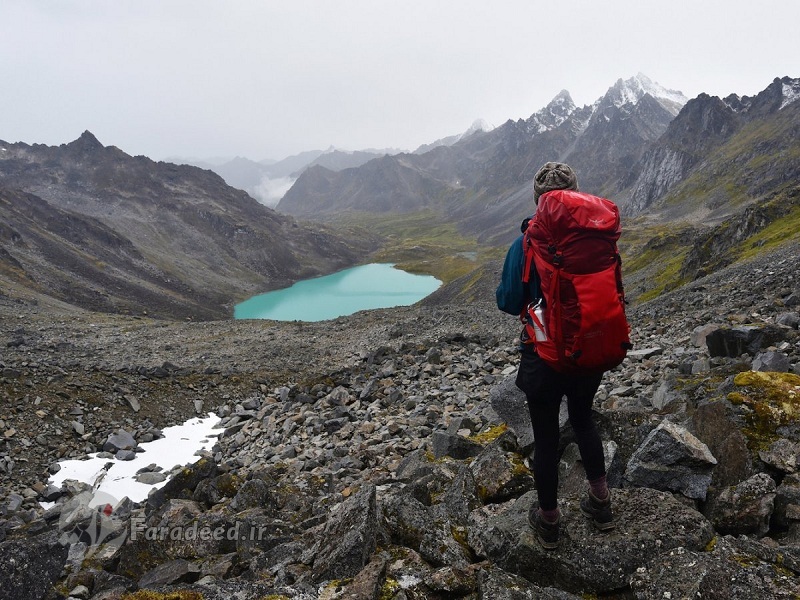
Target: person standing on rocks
column 545, row 388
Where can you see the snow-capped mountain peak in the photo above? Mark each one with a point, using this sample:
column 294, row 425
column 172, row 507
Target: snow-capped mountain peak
column 791, row 91
column 630, row 91
column 554, row 114
column 477, row 125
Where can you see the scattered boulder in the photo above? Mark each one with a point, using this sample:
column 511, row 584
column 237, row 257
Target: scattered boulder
column 510, row 403
column 729, row 568
column 672, row 459
column 349, row 537
column 771, row 361
column 120, row 440
column 735, row 341
column 745, row 508
column 454, row 445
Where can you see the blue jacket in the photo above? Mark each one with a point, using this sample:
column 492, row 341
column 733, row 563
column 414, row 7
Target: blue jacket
column 511, row 294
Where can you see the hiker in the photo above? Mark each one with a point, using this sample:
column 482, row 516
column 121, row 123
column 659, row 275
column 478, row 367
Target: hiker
column 544, row 386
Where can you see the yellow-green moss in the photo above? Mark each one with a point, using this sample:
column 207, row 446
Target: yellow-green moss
column 149, row 595
column 389, row 588
column 745, row 560
column 490, row 434
column 712, row 544
column 773, row 400
column 518, row 468
column 228, row 484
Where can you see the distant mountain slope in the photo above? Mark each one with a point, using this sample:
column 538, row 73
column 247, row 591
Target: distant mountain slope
column 81, row 261
column 267, row 181
column 173, row 230
column 718, row 155
column 477, row 126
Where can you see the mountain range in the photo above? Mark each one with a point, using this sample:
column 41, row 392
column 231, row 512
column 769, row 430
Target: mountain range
column 646, row 147
column 701, row 182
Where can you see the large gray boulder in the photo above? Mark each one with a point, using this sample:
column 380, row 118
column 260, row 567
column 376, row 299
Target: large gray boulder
column 425, row 529
column 672, row 459
column 349, row 537
column 744, row 339
column 745, row 508
column 509, row 402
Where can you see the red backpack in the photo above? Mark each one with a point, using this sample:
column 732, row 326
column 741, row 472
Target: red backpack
column 572, row 241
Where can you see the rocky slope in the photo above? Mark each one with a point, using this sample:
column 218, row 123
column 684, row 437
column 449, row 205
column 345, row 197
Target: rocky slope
column 383, row 455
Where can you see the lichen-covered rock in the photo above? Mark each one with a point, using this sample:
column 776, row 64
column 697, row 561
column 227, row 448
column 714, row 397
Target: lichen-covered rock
column 733, row 568
column 349, row 537
column 726, row 441
column 425, row 530
column 254, row 493
column 460, row 497
column 30, row 567
column 769, row 404
column 787, row 502
column 782, row 455
column 183, row 483
column 497, row 584
column 500, row 476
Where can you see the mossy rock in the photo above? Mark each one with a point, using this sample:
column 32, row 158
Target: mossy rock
column 772, row 402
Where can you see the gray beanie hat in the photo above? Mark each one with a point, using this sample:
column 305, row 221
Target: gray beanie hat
column 554, row 176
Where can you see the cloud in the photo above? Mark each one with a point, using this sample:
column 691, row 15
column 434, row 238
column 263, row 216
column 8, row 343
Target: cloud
column 267, row 79
column 270, row 191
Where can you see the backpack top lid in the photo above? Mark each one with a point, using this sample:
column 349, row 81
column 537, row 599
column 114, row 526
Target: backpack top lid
column 575, row 231
column 562, row 213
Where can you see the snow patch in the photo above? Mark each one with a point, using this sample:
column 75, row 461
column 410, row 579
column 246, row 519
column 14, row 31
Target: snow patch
column 791, row 92
column 177, row 448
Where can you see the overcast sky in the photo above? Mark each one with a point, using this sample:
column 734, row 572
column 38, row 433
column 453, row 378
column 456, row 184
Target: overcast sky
column 270, row 78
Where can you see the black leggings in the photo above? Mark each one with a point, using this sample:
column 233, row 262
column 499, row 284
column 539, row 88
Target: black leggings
column 544, row 389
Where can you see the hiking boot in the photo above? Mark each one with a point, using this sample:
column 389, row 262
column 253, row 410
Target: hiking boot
column 599, row 511
column 546, row 533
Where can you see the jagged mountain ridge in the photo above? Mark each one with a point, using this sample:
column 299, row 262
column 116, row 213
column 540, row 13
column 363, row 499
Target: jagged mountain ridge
column 730, row 139
column 488, row 169
column 483, row 182
column 477, row 126
column 190, row 238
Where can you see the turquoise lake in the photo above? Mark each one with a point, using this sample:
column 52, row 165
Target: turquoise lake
column 340, row 294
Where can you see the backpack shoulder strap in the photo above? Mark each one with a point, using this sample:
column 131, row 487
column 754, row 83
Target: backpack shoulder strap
column 530, row 277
